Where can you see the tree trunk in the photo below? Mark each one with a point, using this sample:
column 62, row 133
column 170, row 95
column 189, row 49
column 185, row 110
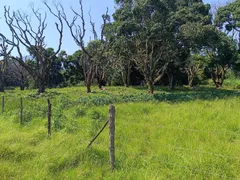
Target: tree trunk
column 22, row 86
column 124, row 78
column 89, row 88
column 99, row 80
column 171, row 80
column 150, row 86
column 41, row 87
column 218, row 85
column 219, row 77
column 1, row 82
column 1, row 87
column 190, row 79
column 88, row 82
column 128, row 74
column 190, row 82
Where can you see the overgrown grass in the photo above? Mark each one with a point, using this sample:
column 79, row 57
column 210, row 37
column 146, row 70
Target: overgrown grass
column 185, row 134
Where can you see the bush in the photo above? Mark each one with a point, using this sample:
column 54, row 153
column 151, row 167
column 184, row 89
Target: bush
column 72, row 126
column 27, row 116
column 65, row 103
column 80, row 112
column 59, row 120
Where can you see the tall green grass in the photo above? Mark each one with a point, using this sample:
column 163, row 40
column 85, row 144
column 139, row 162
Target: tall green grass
column 172, row 135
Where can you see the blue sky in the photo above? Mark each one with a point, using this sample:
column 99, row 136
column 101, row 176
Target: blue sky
column 98, row 7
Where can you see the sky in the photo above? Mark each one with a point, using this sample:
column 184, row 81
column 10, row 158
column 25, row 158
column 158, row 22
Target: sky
column 97, row 7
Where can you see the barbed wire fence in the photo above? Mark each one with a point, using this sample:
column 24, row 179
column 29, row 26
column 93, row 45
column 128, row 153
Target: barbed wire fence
column 113, row 159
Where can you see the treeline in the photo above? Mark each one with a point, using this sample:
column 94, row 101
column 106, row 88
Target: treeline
column 152, row 42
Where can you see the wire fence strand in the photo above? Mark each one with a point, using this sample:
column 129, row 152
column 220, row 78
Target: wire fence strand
column 186, row 149
column 187, row 167
column 185, row 129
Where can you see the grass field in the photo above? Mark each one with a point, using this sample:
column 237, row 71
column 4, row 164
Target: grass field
column 184, row 134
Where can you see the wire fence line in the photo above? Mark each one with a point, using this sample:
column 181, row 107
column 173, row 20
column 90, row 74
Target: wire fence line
column 177, row 147
column 185, row 166
column 187, row 149
column 186, row 129
column 175, row 164
column 197, row 170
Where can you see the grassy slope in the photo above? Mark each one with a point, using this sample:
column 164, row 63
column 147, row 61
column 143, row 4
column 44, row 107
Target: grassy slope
column 189, row 135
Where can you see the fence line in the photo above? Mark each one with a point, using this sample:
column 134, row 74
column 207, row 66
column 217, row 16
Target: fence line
column 188, row 149
column 21, row 111
column 173, row 164
column 112, row 139
column 185, row 129
column 187, row 167
column 198, row 170
column 3, row 101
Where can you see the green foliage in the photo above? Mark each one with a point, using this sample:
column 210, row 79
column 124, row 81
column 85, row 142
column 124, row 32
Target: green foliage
column 27, row 116
column 72, row 126
column 80, row 112
column 97, row 120
column 158, row 36
column 65, row 102
column 59, row 120
column 227, row 17
column 73, row 72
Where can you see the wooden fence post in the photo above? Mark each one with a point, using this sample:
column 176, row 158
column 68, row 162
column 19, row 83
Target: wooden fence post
column 49, row 116
column 21, row 111
column 112, row 135
column 2, row 104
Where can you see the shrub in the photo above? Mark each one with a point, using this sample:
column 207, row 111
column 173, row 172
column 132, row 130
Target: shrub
column 59, row 120
column 80, row 112
column 72, row 126
column 27, row 116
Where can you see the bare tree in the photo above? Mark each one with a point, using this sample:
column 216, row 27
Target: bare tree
column 2, row 74
column 4, row 53
column 16, row 73
column 93, row 53
column 24, row 34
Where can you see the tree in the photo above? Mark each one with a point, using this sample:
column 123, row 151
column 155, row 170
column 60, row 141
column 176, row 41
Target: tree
column 145, row 27
column 194, row 65
column 223, row 55
column 187, row 21
column 16, row 74
column 95, row 49
column 55, row 77
column 24, row 34
column 72, row 68
column 121, row 32
column 228, row 18
column 152, row 32
column 5, row 54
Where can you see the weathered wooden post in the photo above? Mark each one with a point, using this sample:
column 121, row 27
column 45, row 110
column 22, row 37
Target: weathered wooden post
column 49, row 116
column 112, row 135
column 21, row 111
column 2, row 104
